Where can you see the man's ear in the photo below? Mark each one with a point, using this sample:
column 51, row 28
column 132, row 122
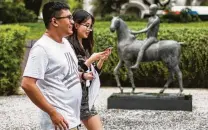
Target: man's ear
column 54, row 22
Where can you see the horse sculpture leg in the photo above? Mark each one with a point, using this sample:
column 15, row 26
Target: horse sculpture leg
column 131, row 77
column 180, row 78
column 170, row 80
column 172, row 64
column 116, row 75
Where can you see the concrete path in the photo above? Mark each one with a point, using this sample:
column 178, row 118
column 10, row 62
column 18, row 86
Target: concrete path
column 19, row 113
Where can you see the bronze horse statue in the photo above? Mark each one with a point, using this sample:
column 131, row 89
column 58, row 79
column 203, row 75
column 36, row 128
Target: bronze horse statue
column 128, row 47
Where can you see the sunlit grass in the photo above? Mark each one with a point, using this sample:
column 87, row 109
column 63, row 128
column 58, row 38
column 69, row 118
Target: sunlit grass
column 37, row 29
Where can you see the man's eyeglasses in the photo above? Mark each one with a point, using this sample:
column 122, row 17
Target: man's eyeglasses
column 70, row 17
column 89, row 27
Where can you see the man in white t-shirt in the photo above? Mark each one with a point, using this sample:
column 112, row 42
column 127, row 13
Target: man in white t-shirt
column 51, row 78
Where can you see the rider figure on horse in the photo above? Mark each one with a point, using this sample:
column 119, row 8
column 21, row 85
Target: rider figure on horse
column 151, row 30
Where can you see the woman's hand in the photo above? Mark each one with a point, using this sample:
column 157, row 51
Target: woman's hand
column 88, row 76
column 106, row 55
column 94, row 57
column 103, row 58
column 97, row 56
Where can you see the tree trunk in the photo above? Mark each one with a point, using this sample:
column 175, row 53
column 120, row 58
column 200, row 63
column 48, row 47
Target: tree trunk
column 33, row 5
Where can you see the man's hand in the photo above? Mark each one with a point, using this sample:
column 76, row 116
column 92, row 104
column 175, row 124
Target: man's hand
column 58, row 121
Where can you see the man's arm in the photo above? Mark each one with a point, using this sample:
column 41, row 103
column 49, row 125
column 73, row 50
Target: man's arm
column 33, row 92
column 35, row 95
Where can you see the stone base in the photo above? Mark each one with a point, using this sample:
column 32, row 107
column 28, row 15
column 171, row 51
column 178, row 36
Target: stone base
column 150, row 101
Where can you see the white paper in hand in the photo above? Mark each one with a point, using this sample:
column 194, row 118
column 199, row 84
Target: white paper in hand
column 88, row 81
column 94, row 87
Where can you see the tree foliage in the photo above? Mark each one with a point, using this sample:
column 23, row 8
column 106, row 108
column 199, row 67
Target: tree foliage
column 103, row 7
column 33, row 5
column 75, row 4
column 15, row 13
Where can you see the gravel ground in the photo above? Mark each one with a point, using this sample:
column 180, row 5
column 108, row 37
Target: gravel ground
column 19, row 113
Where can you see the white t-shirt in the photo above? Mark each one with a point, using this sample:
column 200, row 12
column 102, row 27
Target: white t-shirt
column 56, row 67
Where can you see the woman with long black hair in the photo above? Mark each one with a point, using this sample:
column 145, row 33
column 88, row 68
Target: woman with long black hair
column 82, row 42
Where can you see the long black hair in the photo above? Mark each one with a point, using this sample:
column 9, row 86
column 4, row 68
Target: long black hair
column 80, row 16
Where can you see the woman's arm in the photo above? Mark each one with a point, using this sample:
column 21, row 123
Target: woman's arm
column 103, row 58
column 100, row 64
column 94, row 57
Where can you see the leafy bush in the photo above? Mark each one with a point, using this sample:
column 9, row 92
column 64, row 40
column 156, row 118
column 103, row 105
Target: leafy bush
column 16, row 13
column 125, row 17
column 194, row 59
column 12, row 43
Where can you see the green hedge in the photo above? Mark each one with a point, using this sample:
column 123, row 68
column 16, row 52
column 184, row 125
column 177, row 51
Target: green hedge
column 194, row 59
column 12, row 42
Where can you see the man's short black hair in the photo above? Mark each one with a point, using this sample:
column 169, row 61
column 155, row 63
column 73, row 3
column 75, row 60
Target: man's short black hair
column 52, row 9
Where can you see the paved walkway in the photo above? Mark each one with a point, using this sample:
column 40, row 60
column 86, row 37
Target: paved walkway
column 19, row 113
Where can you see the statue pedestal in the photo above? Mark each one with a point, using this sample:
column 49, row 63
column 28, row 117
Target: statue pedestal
column 150, row 101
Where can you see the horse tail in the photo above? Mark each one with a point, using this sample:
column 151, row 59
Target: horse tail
column 183, row 44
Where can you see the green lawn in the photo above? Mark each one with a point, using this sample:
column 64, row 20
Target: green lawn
column 37, row 29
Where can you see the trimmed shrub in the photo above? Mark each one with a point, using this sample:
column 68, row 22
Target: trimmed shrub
column 194, row 59
column 12, row 41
